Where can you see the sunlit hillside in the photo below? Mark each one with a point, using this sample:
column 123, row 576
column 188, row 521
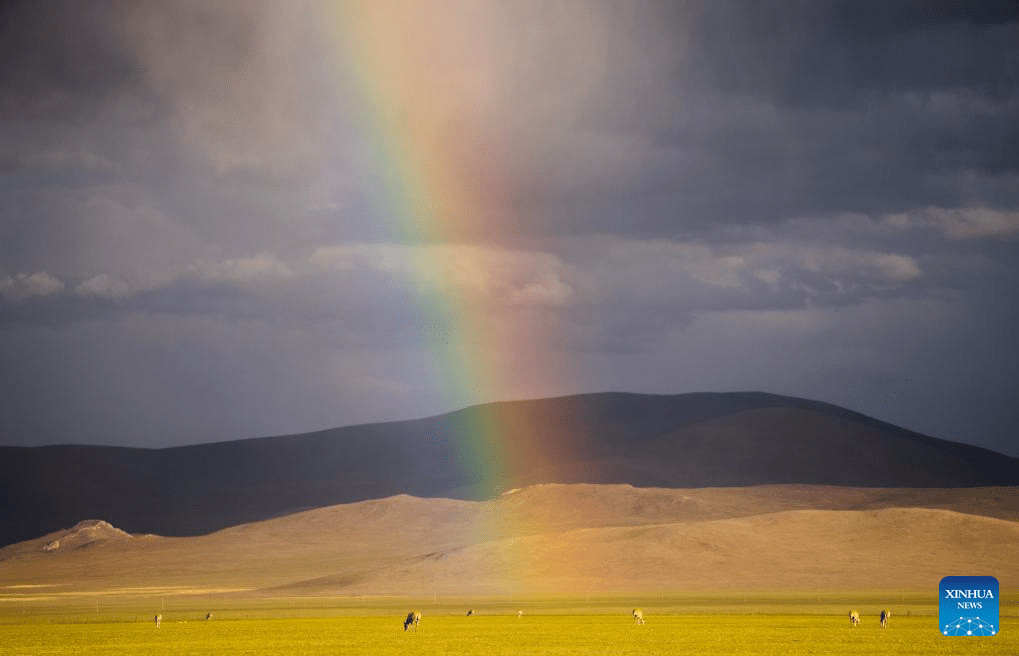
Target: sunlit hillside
column 560, row 539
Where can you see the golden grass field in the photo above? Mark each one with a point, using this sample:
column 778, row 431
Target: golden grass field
column 121, row 625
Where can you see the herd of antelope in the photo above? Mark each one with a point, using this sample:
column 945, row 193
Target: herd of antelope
column 413, row 618
column 854, row 618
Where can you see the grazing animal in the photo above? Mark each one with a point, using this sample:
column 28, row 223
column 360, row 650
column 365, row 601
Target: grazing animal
column 159, row 619
column 854, row 618
column 208, row 616
column 520, row 613
column 885, row 614
column 470, row 612
column 413, row 619
column 638, row 616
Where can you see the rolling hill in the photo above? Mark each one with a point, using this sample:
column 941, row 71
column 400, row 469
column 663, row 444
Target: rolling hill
column 681, row 441
column 555, row 539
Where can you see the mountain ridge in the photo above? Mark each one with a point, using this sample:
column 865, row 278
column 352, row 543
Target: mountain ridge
column 687, row 440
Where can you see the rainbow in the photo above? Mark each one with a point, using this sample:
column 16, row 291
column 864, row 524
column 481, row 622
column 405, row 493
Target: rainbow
column 428, row 204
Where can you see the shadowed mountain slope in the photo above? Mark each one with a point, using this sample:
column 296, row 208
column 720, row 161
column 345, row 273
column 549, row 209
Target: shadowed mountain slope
column 688, row 440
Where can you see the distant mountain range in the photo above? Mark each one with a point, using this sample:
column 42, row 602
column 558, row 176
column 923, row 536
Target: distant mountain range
column 680, row 441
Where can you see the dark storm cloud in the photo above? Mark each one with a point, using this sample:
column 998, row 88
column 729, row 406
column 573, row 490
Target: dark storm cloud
column 732, row 112
column 60, row 62
column 781, row 108
column 840, row 53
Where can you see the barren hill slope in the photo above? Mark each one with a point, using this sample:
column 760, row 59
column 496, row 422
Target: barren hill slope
column 565, row 539
column 791, row 550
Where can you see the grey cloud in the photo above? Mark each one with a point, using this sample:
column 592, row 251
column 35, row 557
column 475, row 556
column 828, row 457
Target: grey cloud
column 103, row 285
column 60, row 60
column 652, row 122
column 591, row 275
column 784, row 108
column 247, row 84
column 80, row 230
column 841, row 52
column 22, row 285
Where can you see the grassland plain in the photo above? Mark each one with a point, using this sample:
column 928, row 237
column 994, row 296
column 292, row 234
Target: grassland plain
column 790, row 624
column 564, row 635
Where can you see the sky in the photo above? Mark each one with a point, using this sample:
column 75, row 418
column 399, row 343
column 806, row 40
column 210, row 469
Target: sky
column 223, row 220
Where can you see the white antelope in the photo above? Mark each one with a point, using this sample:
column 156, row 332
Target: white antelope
column 159, row 619
column 413, row 619
column 885, row 614
column 638, row 616
column 854, row 618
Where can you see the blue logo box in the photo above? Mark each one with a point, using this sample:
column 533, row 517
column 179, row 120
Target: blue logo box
column 969, row 606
